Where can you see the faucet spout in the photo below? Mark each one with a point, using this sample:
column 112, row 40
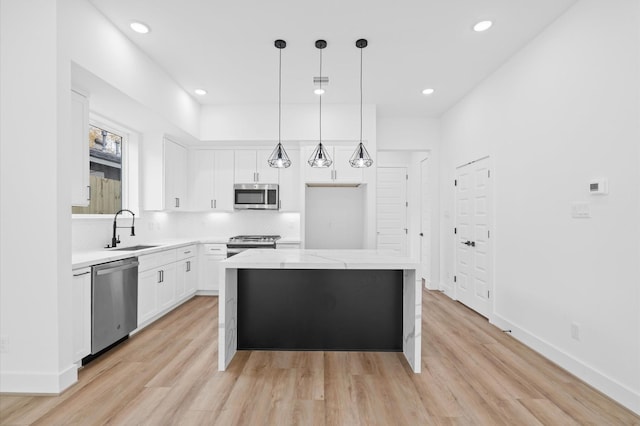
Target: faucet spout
column 115, row 240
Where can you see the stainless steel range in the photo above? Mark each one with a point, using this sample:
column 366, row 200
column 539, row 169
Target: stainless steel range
column 241, row 243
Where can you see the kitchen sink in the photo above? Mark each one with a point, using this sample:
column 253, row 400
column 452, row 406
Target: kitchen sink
column 133, row 248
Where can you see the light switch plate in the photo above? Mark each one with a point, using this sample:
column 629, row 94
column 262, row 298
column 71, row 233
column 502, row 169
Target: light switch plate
column 580, row 211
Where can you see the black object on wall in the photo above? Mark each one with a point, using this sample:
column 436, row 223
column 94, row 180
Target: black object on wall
column 338, row 310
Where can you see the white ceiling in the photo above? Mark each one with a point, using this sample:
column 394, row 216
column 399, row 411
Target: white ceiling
column 227, row 47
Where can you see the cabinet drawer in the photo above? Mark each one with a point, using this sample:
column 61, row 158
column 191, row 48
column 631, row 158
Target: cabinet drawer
column 154, row 260
column 186, row 252
column 214, row 249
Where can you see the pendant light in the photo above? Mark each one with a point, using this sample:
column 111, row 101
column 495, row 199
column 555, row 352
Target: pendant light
column 279, row 158
column 361, row 157
column 320, row 158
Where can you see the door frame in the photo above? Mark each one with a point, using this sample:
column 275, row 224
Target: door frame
column 491, row 214
column 431, row 282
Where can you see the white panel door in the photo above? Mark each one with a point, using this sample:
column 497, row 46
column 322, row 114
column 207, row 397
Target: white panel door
column 201, row 179
column 473, row 248
column 425, row 225
column 392, row 209
column 343, row 172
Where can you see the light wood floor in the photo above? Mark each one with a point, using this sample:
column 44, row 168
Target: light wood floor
column 472, row 374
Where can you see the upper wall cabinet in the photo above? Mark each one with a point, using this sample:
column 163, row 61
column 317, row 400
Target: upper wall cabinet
column 340, row 170
column 81, row 189
column 251, row 167
column 211, row 180
column 175, row 176
column 165, row 176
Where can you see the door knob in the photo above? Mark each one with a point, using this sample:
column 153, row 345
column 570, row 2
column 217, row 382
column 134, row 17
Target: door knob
column 467, row 243
column 421, row 234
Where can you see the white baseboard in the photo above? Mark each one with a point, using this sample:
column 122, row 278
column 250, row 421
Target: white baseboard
column 610, row 387
column 38, row 383
column 207, row 293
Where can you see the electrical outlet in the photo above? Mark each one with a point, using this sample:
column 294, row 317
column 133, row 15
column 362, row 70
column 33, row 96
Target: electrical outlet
column 4, row 345
column 575, row 331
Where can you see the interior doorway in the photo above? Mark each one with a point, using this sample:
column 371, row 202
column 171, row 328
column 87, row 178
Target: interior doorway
column 473, row 248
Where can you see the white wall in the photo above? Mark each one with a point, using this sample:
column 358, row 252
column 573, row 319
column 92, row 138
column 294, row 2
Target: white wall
column 562, row 111
column 35, row 249
column 408, row 133
column 334, row 217
column 99, row 47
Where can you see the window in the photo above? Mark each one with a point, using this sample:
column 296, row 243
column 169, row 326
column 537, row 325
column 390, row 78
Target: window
column 106, row 147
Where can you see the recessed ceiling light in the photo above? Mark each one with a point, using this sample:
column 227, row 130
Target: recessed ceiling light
column 319, row 91
column 482, row 26
column 139, row 27
column 200, row 92
column 428, row 91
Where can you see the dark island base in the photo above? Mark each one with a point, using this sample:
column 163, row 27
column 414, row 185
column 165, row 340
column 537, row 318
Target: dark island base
column 320, row 309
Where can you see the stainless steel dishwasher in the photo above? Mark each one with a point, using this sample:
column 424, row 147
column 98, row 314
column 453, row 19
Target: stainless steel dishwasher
column 114, row 302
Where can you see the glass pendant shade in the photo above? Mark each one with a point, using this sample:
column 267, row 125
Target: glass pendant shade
column 320, row 158
column 279, row 158
column 361, row 157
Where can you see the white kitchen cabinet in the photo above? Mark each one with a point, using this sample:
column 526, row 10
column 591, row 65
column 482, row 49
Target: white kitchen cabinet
column 250, row 166
column 211, row 180
column 166, row 287
column 290, row 184
column 81, row 312
column 147, row 300
column 175, row 176
column 156, row 284
column 211, row 256
column 340, row 170
column 79, row 160
column 186, row 272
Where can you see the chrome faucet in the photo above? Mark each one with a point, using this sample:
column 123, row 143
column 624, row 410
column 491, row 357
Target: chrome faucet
column 115, row 240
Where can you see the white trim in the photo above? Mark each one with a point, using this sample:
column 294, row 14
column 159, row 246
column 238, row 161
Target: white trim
column 38, row 383
column 607, row 385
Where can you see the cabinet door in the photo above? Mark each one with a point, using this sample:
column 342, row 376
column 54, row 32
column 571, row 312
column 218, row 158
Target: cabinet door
column 175, row 176
column 202, row 173
column 181, row 279
column 166, row 288
column 80, row 189
column 211, row 269
column 313, row 174
column 191, row 281
column 343, row 170
column 147, row 301
column 291, row 184
column 264, row 172
column 81, row 311
column 245, row 166
column 223, row 180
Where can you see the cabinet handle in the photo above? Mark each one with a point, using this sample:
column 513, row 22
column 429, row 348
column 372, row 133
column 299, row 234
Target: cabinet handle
column 188, row 266
column 215, row 204
column 89, row 191
column 159, row 276
column 257, row 176
column 211, row 203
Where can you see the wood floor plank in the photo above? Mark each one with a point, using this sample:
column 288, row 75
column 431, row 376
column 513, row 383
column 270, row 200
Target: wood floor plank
column 473, row 373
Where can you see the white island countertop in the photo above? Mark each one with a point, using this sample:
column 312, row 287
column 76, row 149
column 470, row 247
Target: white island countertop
column 319, row 259
column 292, row 259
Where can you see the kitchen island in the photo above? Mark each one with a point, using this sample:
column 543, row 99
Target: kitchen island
column 356, row 300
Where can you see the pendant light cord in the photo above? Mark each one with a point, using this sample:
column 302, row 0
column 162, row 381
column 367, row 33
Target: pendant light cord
column 321, row 97
column 360, row 95
column 279, row 95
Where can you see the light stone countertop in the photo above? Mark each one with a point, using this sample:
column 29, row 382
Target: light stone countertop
column 319, row 259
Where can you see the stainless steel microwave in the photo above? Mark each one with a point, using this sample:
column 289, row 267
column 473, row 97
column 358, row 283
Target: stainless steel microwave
column 255, row 196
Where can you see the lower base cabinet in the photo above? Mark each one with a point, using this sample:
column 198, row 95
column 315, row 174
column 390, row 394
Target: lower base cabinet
column 81, row 311
column 212, row 255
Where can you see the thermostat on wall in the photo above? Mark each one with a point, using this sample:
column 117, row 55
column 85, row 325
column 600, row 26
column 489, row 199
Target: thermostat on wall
column 598, row 186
